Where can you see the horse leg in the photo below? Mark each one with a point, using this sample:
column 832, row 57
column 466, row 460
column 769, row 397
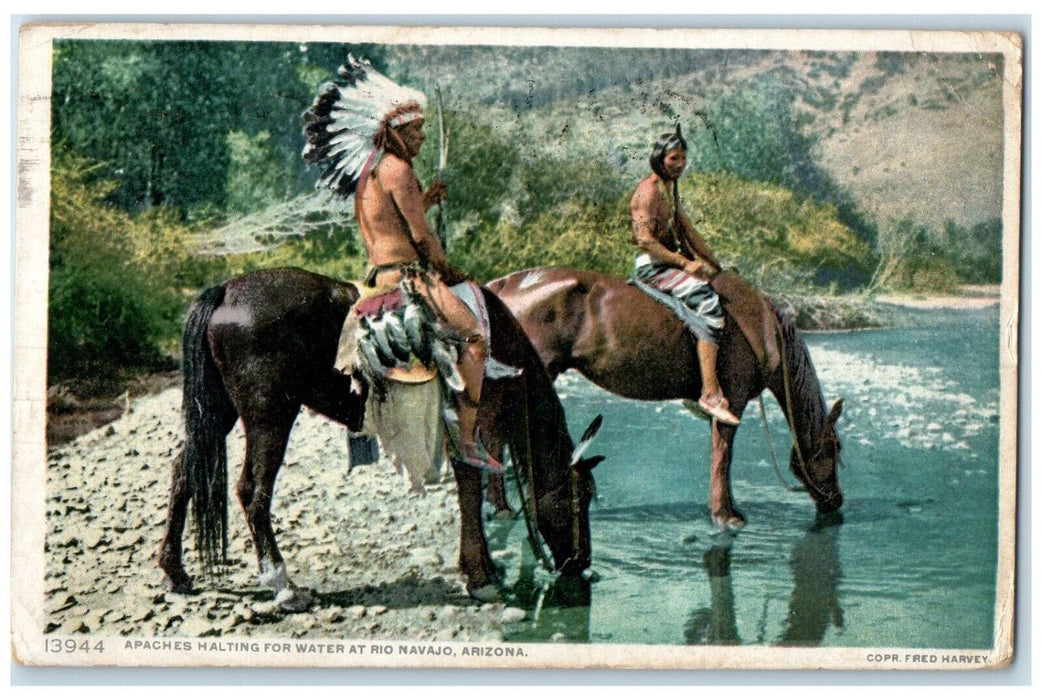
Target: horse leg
column 495, row 490
column 170, row 551
column 265, row 448
column 475, row 562
column 721, row 502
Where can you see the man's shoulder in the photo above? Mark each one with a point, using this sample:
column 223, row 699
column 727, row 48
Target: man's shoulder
column 646, row 191
column 392, row 167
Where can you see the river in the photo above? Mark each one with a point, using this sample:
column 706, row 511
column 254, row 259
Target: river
column 912, row 564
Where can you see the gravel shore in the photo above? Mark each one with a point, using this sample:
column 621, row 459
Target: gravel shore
column 380, row 559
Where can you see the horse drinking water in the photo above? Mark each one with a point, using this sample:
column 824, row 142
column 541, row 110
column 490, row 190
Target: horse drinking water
column 260, row 346
column 628, row 343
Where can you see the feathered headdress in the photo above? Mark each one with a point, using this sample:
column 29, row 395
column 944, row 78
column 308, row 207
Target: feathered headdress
column 346, row 128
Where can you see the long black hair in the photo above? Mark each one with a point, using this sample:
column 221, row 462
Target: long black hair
column 671, row 141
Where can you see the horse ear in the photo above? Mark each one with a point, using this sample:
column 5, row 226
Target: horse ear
column 837, row 409
column 587, row 438
column 589, row 463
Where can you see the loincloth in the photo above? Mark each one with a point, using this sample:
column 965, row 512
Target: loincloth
column 693, row 300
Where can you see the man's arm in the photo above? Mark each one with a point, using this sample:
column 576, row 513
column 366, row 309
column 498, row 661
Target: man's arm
column 404, row 189
column 644, row 217
column 695, row 241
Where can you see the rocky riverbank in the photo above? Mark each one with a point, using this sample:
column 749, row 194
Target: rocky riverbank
column 380, row 560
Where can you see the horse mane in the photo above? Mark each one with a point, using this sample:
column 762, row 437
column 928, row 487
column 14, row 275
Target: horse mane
column 549, row 437
column 808, row 404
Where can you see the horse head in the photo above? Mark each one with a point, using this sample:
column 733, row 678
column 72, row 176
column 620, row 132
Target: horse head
column 555, row 477
column 563, row 509
column 564, row 519
column 815, row 467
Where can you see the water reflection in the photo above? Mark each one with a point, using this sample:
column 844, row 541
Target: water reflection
column 558, row 609
column 813, row 603
column 716, row 624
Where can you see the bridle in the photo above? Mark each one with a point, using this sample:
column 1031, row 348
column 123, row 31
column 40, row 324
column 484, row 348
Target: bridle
column 530, row 508
column 829, row 441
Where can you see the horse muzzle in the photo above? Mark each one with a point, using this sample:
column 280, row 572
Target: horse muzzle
column 575, row 566
column 829, row 503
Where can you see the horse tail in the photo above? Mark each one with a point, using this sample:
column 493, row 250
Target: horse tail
column 205, row 407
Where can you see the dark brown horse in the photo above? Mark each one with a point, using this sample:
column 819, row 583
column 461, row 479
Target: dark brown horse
column 631, row 345
column 260, row 346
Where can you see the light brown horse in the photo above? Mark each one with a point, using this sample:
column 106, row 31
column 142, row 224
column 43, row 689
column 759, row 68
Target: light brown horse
column 628, row 343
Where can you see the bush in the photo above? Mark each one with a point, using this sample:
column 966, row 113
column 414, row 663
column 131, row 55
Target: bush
column 775, row 238
column 118, row 285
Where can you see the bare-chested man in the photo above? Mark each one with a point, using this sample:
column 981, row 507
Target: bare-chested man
column 675, row 260
column 367, row 130
column 391, row 214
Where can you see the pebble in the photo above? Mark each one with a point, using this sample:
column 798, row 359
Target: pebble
column 511, row 615
column 107, row 498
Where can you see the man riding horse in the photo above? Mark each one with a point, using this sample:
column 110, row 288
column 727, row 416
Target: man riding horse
column 368, row 130
column 675, row 266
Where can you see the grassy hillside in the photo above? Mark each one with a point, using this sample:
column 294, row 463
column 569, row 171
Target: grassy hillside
column 909, row 136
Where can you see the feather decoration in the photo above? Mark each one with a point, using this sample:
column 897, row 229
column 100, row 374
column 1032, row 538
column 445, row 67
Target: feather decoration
column 373, row 368
column 587, row 438
column 445, row 357
column 418, row 339
column 396, row 337
column 383, row 347
column 346, row 115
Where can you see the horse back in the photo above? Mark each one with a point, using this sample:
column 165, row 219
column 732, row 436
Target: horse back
column 614, row 334
column 279, row 326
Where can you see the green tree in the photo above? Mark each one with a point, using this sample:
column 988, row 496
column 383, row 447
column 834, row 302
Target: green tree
column 156, row 115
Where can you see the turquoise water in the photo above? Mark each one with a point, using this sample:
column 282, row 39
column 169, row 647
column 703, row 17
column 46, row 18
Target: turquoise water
column 912, row 563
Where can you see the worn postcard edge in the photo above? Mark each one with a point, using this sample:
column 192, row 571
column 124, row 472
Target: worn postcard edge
column 30, row 347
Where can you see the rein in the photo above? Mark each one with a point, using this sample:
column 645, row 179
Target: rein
column 528, row 506
column 789, row 413
column 774, row 455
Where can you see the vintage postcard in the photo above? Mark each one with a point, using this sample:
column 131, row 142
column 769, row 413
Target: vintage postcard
column 435, row 347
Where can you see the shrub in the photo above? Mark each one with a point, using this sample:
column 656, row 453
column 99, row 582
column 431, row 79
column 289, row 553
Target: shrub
column 117, row 284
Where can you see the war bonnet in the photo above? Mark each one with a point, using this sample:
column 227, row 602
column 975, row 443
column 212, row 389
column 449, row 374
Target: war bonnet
column 347, row 126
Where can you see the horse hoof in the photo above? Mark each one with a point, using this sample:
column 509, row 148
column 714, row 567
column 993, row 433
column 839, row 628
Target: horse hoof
column 729, row 523
column 293, row 600
column 489, row 593
column 182, row 585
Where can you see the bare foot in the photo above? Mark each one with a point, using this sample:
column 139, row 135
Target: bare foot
column 717, row 407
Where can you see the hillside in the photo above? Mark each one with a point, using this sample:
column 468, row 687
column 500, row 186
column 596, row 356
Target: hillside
column 909, row 136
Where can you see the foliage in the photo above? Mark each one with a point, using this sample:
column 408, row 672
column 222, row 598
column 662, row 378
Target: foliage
column 118, row 285
column 909, row 260
column 774, row 237
column 976, row 254
column 255, row 175
column 571, row 235
column 765, row 231
column 157, row 115
column 759, row 133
